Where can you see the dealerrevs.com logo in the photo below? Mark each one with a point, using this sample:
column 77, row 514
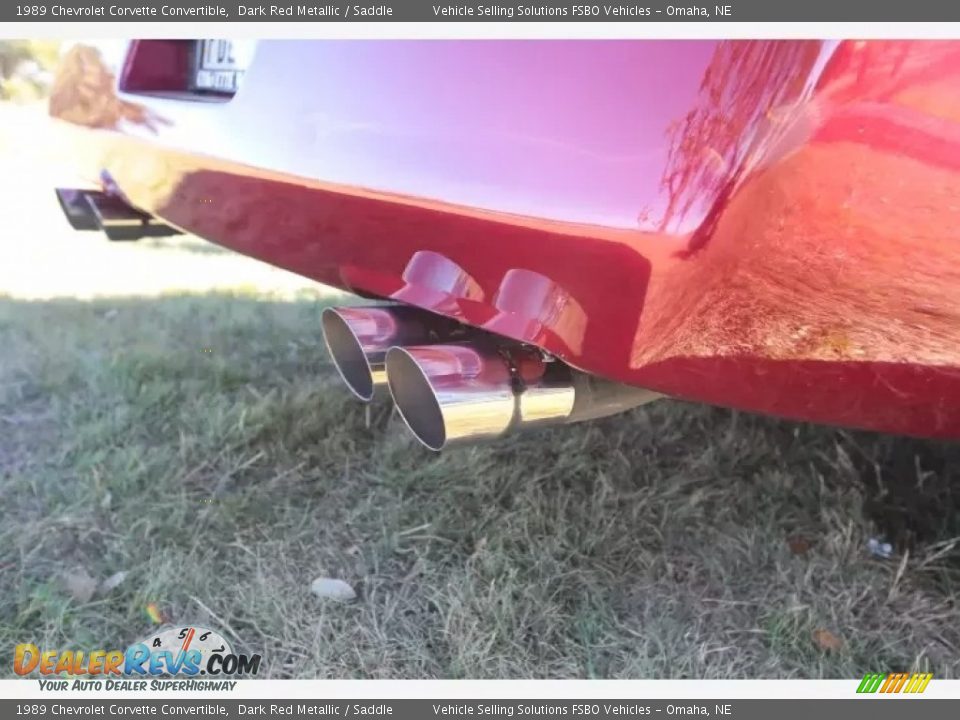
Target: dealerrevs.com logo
column 172, row 658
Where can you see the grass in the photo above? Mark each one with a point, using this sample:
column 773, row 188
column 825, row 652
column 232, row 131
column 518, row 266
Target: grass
column 202, row 444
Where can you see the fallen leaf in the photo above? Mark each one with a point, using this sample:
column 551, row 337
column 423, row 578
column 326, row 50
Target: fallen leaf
column 113, row 581
column 798, row 544
column 332, row 589
column 155, row 614
column 826, row 640
column 80, row 585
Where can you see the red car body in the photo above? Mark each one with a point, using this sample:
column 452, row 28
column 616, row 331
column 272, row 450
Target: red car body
column 767, row 225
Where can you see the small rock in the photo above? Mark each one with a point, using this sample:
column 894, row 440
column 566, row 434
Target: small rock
column 113, row 581
column 332, row 589
column 80, row 585
column 879, row 549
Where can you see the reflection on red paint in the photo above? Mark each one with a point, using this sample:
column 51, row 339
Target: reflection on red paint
column 532, row 305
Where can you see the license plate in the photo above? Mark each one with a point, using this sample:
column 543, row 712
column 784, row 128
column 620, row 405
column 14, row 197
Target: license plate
column 220, row 65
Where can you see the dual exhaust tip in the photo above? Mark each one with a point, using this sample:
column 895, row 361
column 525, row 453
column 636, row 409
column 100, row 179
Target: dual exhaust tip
column 359, row 339
column 452, row 384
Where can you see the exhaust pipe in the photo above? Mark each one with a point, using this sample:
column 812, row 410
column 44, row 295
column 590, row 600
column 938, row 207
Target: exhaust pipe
column 463, row 392
column 96, row 210
column 358, row 338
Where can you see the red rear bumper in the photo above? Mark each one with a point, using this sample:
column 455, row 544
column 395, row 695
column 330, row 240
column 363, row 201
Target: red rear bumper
column 773, row 226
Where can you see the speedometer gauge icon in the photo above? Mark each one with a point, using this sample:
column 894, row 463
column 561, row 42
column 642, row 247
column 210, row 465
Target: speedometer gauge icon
column 192, row 639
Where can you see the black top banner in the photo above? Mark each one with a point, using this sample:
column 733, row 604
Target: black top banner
column 474, row 11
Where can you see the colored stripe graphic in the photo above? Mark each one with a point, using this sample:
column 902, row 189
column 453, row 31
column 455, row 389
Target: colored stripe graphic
column 895, row 682
column 887, row 683
column 871, row 683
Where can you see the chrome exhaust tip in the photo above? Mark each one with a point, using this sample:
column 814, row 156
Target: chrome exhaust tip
column 466, row 392
column 342, row 330
column 415, row 399
column 358, row 338
column 442, row 394
column 455, row 393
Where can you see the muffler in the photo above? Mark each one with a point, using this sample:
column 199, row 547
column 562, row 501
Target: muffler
column 358, row 338
column 464, row 392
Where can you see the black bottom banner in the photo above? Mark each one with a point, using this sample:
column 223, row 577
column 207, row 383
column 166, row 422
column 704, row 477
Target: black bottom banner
column 872, row 708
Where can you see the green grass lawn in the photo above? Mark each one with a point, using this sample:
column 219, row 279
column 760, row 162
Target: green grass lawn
column 202, row 445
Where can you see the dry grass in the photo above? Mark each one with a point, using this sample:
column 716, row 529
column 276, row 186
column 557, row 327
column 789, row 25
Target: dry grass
column 198, row 440
column 202, row 444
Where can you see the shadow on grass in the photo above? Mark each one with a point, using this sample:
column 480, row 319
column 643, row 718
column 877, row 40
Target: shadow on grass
column 203, row 446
